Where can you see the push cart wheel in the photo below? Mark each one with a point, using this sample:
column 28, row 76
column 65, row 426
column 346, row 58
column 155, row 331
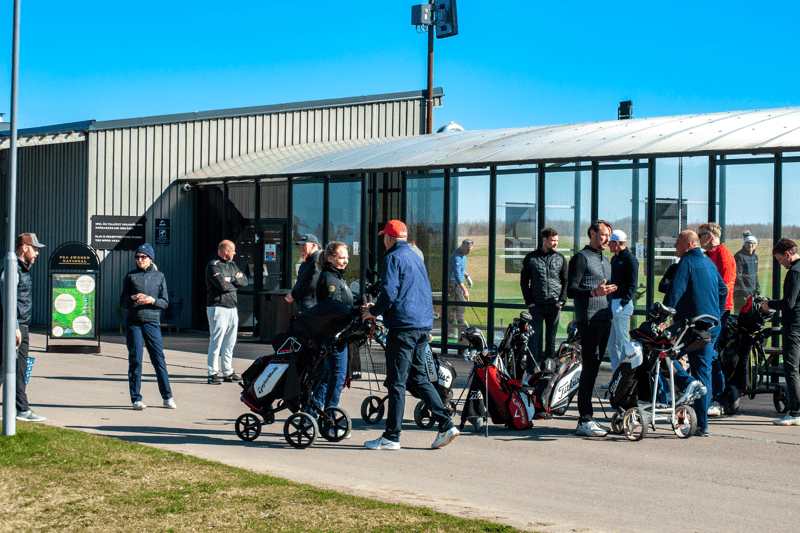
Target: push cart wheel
column 372, row 409
column 781, row 398
column 634, row 423
column 730, row 395
column 248, row 427
column 616, row 424
column 335, row 424
column 685, row 422
column 422, row 416
column 300, row 430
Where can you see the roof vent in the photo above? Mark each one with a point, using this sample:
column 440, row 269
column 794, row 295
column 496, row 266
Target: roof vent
column 450, row 128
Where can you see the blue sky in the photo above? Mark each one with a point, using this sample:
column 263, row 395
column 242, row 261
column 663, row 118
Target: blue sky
column 513, row 64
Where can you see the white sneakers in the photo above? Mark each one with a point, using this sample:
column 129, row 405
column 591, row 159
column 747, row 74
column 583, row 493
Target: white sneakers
column 169, row 403
column 787, row 420
column 444, row 438
column 382, row 443
column 139, row 406
column 590, row 428
column 30, row 416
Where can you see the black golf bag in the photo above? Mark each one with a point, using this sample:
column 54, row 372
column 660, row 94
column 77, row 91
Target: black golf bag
column 750, row 330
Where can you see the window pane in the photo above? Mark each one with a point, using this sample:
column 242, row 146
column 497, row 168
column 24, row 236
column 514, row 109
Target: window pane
column 345, row 221
column 425, row 203
column 307, row 198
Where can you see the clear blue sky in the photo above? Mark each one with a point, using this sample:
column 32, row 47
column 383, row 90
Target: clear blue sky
column 518, row 63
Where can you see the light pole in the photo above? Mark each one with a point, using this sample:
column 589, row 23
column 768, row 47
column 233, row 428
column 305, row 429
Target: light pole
column 10, row 260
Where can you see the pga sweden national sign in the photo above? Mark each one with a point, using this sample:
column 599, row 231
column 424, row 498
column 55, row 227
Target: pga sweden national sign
column 74, row 275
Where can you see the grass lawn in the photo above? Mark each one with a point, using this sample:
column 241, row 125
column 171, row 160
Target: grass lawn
column 53, row 479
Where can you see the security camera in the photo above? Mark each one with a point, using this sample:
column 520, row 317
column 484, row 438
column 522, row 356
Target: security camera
column 187, row 187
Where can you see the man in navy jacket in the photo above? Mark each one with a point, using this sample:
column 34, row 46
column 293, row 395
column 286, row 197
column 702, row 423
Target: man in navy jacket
column 696, row 289
column 406, row 304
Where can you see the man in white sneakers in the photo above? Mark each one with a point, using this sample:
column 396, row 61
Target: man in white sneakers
column 405, row 303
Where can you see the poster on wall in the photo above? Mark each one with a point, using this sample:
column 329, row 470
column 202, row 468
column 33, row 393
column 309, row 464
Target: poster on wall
column 270, row 252
column 73, row 306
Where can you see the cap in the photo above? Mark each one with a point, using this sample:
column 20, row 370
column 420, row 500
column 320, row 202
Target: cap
column 396, row 229
column 146, row 249
column 29, row 239
column 308, row 238
column 619, row 236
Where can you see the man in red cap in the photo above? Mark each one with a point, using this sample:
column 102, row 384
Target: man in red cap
column 27, row 247
column 405, row 302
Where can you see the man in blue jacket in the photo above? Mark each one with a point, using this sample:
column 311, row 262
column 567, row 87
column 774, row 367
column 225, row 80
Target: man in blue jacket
column 696, row 289
column 405, row 302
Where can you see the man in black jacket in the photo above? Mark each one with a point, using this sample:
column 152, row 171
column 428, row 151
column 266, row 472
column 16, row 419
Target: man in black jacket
column 223, row 278
column 785, row 253
column 27, row 248
column 544, row 287
column 304, row 293
column 589, row 273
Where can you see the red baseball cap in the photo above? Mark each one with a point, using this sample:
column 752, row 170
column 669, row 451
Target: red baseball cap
column 395, row 228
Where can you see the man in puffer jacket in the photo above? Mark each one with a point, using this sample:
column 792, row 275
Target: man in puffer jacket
column 144, row 295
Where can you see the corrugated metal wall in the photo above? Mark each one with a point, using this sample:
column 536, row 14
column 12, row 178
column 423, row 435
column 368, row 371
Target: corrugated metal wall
column 52, row 203
column 132, row 172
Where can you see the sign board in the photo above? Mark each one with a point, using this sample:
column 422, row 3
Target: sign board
column 74, row 272
column 118, row 233
column 162, row 231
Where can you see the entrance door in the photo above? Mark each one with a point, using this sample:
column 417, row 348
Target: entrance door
column 269, row 261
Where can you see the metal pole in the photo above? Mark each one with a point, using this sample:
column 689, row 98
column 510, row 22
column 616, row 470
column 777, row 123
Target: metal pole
column 429, row 127
column 10, row 260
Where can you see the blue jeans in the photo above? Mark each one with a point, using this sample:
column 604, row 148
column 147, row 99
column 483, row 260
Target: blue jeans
column 405, row 362
column 223, row 323
column 148, row 334
column 700, row 363
column 545, row 317
column 620, row 330
column 334, row 374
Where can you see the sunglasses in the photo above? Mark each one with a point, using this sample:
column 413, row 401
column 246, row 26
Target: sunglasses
column 138, row 257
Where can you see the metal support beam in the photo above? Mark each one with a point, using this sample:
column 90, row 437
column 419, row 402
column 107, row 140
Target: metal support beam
column 540, row 212
column 595, row 208
column 723, row 198
column 445, row 259
column 777, row 229
column 363, row 252
column 712, row 188
column 326, row 210
column 493, row 247
column 650, row 232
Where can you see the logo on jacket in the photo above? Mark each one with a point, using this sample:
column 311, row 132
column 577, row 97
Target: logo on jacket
column 331, row 288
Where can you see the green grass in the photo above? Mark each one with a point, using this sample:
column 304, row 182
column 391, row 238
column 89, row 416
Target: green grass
column 53, row 479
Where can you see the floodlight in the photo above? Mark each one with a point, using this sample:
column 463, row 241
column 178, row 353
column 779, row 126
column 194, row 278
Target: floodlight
column 446, row 18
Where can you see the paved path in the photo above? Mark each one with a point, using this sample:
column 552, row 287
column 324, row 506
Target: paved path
column 743, row 478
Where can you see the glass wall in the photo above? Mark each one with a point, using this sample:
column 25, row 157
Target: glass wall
column 344, row 222
column 241, row 227
column 568, row 205
column 307, row 201
column 746, row 207
column 425, row 206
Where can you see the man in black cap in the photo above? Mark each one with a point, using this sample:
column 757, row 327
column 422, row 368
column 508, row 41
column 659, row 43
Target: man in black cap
column 27, row 247
column 304, row 293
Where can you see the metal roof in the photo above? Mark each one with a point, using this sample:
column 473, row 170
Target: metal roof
column 761, row 131
column 94, row 125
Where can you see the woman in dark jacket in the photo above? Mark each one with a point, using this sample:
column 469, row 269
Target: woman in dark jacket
column 332, row 263
column 144, row 295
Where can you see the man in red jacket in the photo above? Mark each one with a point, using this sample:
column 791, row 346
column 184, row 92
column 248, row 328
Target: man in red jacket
column 710, row 234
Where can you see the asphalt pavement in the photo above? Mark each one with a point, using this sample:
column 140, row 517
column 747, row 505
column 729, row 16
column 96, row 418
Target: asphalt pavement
column 742, row 478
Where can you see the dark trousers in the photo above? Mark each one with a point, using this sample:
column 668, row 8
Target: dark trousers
column 545, row 317
column 405, row 366
column 791, row 368
column 22, row 369
column 148, row 334
column 594, row 339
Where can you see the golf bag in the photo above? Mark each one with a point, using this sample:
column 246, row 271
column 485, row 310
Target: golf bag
column 624, row 387
column 509, row 404
column 442, row 375
column 555, row 384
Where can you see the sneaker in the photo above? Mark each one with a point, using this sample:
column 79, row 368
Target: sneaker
column 590, row 428
column 715, row 409
column 30, row 416
column 233, row 378
column 787, row 420
column 702, row 432
column 139, row 406
column 214, row 379
column 169, row 403
column 382, row 443
column 444, row 438
column 452, row 335
column 694, row 391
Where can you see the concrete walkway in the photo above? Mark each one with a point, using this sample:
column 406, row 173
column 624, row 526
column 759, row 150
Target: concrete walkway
column 743, row 478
